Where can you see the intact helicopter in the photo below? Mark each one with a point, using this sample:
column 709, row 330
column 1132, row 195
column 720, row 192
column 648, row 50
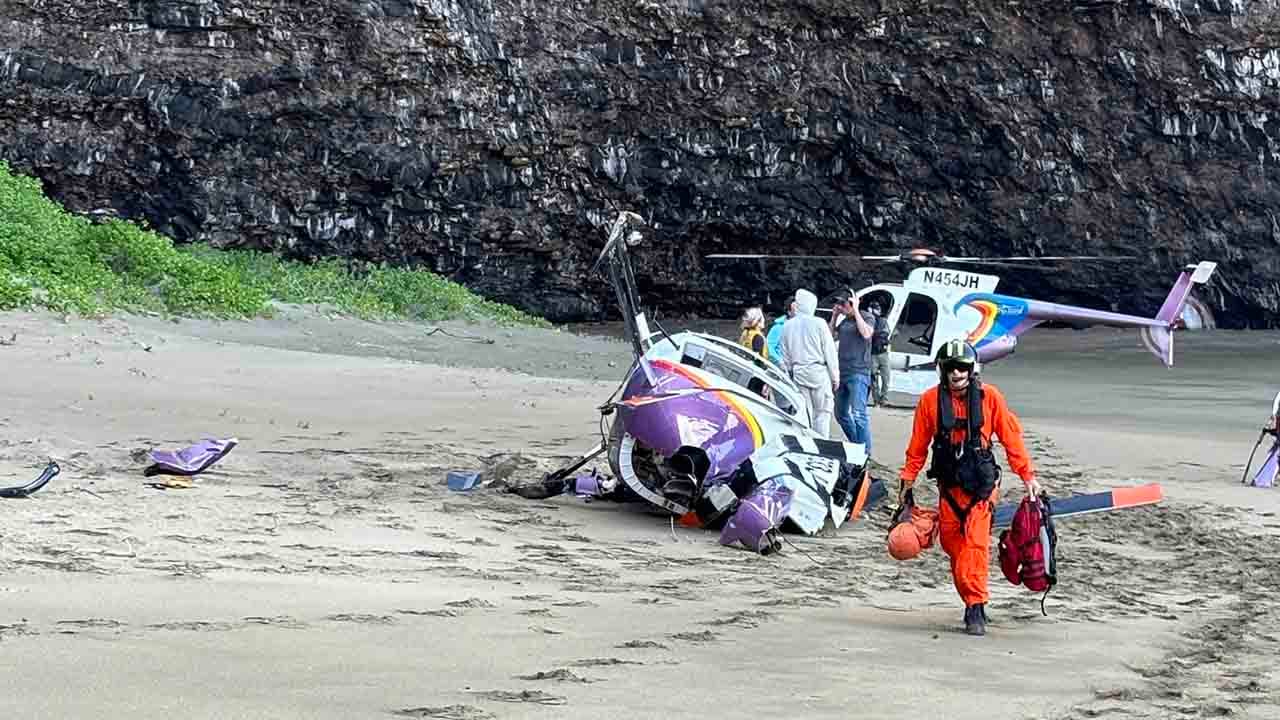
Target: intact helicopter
column 947, row 303
column 704, row 430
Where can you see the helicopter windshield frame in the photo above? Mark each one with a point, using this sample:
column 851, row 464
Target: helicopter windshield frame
column 745, row 366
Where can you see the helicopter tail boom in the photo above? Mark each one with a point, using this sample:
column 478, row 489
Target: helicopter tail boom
column 1006, row 317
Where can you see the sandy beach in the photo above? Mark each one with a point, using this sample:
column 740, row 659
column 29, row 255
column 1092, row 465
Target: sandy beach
column 324, row 570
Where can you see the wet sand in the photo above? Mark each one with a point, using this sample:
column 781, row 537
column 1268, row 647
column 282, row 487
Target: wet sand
column 323, row 570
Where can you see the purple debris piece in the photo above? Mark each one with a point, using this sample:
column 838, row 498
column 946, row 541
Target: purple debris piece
column 1266, row 475
column 757, row 518
column 587, row 484
column 189, row 460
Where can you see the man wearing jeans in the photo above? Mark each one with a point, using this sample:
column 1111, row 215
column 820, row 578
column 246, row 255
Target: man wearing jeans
column 853, row 330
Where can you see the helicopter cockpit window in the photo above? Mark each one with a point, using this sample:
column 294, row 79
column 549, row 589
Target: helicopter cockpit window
column 710, row 362
column 693, row 355
column 918, row 319
column 747, row 356
column 749, row 374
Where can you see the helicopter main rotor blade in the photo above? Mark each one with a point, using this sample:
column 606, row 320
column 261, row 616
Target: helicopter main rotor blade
column 870, row 258
column 922, row 259
column 983, row 263
column 1040, row 258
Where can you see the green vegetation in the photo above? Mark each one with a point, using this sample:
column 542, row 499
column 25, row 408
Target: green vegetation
column 50, row 258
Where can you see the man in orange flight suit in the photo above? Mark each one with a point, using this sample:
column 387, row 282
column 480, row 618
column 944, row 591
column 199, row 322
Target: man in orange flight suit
column 968, row 477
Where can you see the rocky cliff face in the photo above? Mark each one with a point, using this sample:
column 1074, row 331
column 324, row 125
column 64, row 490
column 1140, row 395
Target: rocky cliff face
column 488, row 139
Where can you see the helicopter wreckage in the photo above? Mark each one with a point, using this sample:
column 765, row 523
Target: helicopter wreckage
column 712, row 435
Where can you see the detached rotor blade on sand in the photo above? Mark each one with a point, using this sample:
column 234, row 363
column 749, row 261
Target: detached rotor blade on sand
column 1114, row 499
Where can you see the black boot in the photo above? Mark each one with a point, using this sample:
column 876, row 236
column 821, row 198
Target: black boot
column 975, row 620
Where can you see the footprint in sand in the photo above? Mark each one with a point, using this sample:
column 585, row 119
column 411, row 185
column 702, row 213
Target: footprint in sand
column 283, row 621
column 524, row 696
column 742, row 619
column 698, row 637
column 90, row 533
column 471, row 603
column 539, row 612
column 69, row 627
column 436, row 613
column 803, row 601
column 446, row 712
column 559, row 675
column 192, row 625
column 605, row 662
column 15, row 629
column 435, row 554
column 362, row 618
column 641, row 645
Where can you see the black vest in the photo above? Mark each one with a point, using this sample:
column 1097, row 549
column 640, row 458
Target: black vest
column 967, row 464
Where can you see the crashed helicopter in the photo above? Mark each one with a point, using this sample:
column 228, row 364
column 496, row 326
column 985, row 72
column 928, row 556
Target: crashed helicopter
column 714, row 435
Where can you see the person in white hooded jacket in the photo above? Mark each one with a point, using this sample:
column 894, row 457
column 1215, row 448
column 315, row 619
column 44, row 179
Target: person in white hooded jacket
column 809, row 358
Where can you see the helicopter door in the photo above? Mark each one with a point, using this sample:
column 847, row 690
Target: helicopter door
column 911, row 354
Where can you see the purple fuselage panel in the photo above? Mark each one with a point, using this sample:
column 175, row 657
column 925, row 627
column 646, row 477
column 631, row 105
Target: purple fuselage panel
column 710, row 420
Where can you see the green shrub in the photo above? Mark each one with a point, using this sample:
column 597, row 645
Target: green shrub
column 51, row 258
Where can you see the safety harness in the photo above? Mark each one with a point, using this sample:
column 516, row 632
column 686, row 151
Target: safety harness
column 966, row 465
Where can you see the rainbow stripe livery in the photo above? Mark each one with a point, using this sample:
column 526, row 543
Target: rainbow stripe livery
column 736, row 406
column 998, row 316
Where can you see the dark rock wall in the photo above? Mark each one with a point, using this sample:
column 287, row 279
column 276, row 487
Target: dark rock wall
column 488, row 139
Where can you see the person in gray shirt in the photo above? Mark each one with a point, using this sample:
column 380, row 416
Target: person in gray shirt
column 853, row 329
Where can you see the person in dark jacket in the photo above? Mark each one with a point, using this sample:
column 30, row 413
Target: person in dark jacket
column 881, row 372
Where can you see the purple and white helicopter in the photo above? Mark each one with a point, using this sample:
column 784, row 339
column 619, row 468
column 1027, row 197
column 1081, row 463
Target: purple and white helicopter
column 711, row 433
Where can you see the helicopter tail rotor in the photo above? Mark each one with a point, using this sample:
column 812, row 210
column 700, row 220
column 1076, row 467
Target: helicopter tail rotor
column 1180, row 310
column 1159, row 342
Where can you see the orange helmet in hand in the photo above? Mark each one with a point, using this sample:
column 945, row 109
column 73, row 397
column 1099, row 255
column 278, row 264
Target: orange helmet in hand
column 913, row 531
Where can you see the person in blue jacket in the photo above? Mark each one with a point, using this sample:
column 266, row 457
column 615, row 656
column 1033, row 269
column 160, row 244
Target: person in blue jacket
column 774, row 338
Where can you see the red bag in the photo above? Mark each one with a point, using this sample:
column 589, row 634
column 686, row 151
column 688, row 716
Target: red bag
column 1028, row 549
